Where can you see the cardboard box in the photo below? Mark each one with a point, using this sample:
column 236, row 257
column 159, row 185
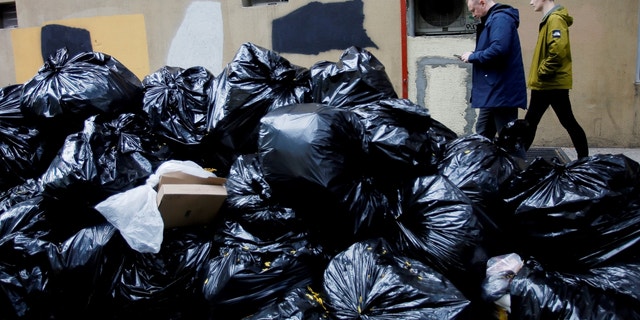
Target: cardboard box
column 186, row 200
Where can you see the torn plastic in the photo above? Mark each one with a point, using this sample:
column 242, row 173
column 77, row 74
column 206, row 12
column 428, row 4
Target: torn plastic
column 500, row 271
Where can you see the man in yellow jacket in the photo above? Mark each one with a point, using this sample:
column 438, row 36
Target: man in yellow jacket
column 550, row 76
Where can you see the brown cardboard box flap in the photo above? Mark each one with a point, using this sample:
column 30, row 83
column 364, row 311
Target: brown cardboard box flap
column 185, row 200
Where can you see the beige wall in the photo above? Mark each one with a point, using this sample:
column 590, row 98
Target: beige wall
column 208, row 33
column 212, row 41
column 382, row 25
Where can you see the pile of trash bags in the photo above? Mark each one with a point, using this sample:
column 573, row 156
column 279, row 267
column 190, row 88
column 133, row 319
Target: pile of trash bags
column 343, row 202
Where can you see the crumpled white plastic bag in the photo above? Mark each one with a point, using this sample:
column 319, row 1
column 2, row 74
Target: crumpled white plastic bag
column 135, row 212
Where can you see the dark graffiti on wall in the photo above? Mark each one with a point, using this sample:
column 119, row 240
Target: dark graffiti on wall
column 54, row 37
column 318, row 27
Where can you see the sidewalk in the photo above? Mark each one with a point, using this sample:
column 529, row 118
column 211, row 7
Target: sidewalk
column 632, row 153
column 566, row 154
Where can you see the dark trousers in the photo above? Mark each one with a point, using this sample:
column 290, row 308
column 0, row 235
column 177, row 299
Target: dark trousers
column 492, row 120
column 559, row 101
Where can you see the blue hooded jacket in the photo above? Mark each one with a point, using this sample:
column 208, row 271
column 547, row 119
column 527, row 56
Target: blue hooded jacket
column 498, row 72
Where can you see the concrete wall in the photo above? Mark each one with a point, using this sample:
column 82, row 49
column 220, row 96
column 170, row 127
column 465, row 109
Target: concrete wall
column 208, row 33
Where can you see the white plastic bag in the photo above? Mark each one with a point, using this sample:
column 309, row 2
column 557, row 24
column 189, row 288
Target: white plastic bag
column 135, row 212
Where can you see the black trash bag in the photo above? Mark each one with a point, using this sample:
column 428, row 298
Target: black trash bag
column 358, row 78
column 579, row 215
column 255, row 82
column 441, row 136
column 249, row 273
column 22, row 146
column 177, row 102
column 370, row 280
column 399, row 138
column 52, row 269
column 250, row 202
column 482, row 171
column 22, row 192
column 297, row 304
column 437, row 224
column 522, row 181
column 368, row 210
column 311, row 145
column 111, row 155
column 604, row 293
column 73, row 89
column 312, row 155
column 163, row 285
column 510, row 139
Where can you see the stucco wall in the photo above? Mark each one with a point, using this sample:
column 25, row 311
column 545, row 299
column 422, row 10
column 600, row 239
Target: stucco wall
column 168, row 24
column 7, row 70
column 379, row 27
column 208, row 33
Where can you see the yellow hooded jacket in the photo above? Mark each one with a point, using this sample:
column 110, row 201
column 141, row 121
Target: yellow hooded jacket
column 551, row 63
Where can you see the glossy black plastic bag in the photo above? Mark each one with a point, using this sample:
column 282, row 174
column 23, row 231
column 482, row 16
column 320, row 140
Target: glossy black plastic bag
column 311, row 145
column 163, row 285
column 580, row 214
column 400, row 138
column 54, row 260
column 511, row 137
column 109, row 156
column 255, row 82
column 297, row 304
column 312, row 155
column 357, row 78
column 437, row 223
column 370, row 280
column 177, row 102
column 479, row 168
column 77, row 87
column 609, row 292
column 21, row 142
column 250, row 272
column 250, row 201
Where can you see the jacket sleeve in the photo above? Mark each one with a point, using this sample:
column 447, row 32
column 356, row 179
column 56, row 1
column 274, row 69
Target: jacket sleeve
column 500, row 36
column 557, row 40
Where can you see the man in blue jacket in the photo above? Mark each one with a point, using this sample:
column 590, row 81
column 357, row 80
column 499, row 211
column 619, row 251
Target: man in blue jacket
column 498, row 82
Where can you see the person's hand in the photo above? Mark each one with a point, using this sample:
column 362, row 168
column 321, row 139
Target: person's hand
column 465, row 56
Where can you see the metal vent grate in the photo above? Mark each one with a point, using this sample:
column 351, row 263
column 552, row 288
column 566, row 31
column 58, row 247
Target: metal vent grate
column 547, row 154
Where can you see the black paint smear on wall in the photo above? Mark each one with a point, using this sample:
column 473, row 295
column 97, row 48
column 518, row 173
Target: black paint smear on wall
column 319, row 27
column 54, row 37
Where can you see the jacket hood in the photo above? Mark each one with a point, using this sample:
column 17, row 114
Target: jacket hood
column 561, row 12
column 509, row 10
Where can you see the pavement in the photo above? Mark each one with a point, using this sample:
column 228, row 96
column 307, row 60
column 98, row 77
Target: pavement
column 567, row 154
column 632, row 153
